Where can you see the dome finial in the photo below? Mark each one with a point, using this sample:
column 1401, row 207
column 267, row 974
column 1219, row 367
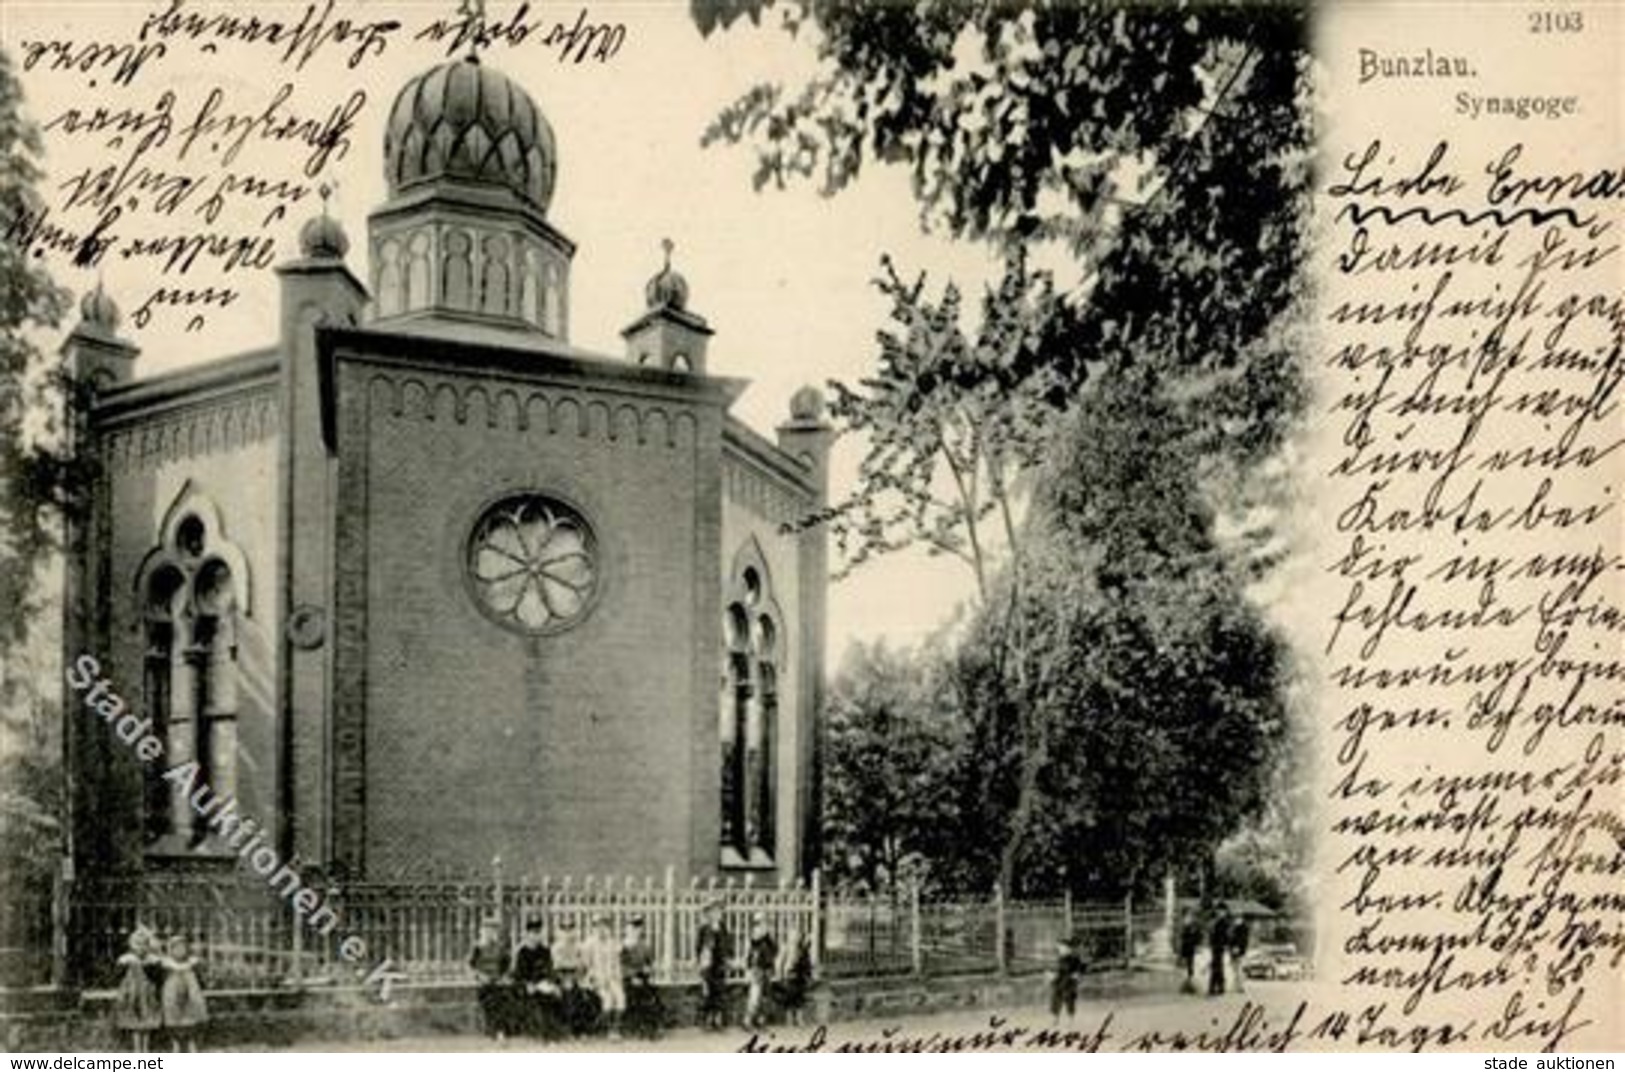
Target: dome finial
column 473, row 13
column 322, row 237
column 668, row 289
column 97, row 310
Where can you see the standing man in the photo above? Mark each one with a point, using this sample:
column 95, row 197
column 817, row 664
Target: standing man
column 1189, row 940
column 1218, row 946
column 714, row 948
column 1240, row 937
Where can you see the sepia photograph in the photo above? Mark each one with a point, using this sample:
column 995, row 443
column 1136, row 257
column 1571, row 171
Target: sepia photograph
column 810, row 526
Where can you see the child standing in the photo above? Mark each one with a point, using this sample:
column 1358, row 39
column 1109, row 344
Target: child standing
column 762, row 957
column 181, row 997
column 1063, row 987
column 795, row 977
column 136, row 1008
column 714, row 948
column 602, row 954
column 644, row 1014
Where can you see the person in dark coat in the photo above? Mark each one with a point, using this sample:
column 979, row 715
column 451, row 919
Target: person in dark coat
column 714, row 947
column 1064, row 978
column 1218, row 946
column 645, row 1015
column 578, row 1005
column 1241, row 932
column 489, row 960
column 1190, row 941
column 535, row 990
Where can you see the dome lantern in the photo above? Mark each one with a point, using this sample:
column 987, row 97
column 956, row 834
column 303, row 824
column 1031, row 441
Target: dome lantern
column 470, row 161
column 668, row 335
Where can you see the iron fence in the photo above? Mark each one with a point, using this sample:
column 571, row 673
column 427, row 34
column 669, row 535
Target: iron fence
column 248, row 937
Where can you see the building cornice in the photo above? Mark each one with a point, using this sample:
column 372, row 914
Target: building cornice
column 190, row 387
column 541, row 363
column 748, row 445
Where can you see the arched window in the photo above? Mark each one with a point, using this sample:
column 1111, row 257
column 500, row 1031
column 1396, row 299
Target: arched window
column 494, row 276
column 458, row 271
column 552, row 302
column 732, row 732
column 530, row 284
column 192, row 585
column 417, row 271
column 165, row 589
column 390, row 296
column 749, row 727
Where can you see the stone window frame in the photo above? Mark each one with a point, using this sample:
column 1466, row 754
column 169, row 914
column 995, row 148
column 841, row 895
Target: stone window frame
column 191, row 590
column 752, row 685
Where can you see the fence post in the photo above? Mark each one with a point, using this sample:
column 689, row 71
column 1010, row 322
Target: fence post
column 296, row 940
column 817, row 920
column 668, row 941
column 496, row 895
column 1066, row 914
column 916, row 954
column 61, row 921
column 1001, row 946
column 1128, row 929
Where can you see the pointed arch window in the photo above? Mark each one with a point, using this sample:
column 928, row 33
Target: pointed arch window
column 748, row 730
column 193, row 590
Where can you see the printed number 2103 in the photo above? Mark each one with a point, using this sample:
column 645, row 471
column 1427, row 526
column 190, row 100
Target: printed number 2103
column 1556, row 21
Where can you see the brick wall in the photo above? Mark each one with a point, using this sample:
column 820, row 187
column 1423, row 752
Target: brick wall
column 564, row 753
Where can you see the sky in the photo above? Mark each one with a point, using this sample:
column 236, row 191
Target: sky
column 784, row 277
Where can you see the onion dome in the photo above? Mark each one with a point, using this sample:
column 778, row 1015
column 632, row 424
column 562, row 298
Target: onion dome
column 807, row 405
column 322, row 238
column 667, row 289
column 467, row 122
column 98, row 313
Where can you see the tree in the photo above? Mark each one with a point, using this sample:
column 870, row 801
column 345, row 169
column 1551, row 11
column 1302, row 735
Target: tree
column 36, row 479
column 947, row 452
column 1164, row 149
column 1155, row 687
column 892, row 742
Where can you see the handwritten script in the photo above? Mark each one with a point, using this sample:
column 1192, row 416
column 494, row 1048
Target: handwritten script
column 1473, row 348
column 189, row 178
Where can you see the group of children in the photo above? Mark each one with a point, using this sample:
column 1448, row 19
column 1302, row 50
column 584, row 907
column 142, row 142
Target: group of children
column 604, row 983
column 576, row 986
column 776, row 979
column 158, row 991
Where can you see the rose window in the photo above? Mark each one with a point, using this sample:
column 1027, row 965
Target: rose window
column 533, row 564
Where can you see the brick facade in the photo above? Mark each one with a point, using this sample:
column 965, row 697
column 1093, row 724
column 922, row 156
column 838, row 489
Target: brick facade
column 385, row 723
